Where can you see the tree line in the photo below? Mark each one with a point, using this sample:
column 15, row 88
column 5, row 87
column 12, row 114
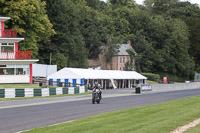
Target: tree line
column 164, row 33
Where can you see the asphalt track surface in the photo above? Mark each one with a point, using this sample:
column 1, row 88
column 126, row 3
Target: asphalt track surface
column 15, row 119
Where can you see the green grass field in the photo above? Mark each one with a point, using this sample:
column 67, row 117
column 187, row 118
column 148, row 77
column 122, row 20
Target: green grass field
column 151, row 82
column 3, row 86
column 158, row 118
column 154, row 82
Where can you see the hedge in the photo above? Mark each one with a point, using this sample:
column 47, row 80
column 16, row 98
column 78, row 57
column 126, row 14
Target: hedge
column 151, row 76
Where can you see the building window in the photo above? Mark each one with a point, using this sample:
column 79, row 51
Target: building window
column 123, row 59
column 7, row 47
column 2, row 65
column 6, row 71
column 124, row 68
column 120, row 68
column 19, row 71
column 15, row 70
column 120, row 59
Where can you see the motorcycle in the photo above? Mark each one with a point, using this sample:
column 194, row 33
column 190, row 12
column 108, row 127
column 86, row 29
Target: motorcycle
column 96, row 95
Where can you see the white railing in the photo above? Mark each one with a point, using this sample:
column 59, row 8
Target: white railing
column 7, row 55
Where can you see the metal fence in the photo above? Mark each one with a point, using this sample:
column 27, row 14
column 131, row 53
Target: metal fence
column 197, row 77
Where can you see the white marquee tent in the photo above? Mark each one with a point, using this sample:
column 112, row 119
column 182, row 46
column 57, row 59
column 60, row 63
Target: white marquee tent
column 78, row 74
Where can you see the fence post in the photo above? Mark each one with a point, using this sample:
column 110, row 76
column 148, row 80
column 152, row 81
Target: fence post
column 60, row 84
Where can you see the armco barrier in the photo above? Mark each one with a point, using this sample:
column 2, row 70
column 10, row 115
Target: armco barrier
column 10, row 93
column 71, row 90
column 2, row 93
column 52, row 91
column 175, row 87
column 30, row 92
column 37, row 92
column 86, row 88
column 65, row 90
column 59, row 91
column 19, row 93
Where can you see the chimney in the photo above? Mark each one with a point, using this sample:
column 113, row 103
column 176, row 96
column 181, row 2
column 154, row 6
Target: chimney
column 129, row 42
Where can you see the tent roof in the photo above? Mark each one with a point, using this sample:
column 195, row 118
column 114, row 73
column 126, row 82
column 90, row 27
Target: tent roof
column 78, row 73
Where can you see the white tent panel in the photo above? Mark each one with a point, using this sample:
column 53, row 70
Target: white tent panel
column 78, row 73
column 42, row 70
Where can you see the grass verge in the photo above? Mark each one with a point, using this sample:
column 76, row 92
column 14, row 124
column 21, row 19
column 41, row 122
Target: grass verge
column 21, row 98
column 151, row 82
column 158, row 118
column 3, row 86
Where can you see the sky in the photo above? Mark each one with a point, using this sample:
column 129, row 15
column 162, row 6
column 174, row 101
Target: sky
column 192, row 1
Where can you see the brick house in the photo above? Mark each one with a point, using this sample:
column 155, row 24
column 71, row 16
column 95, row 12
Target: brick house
column 117, row 62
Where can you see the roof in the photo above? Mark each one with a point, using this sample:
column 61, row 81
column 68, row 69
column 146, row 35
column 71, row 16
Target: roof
column 123, row 49
column 10, row 40
column 78, row 73
column 4, row 18
column 18, row 61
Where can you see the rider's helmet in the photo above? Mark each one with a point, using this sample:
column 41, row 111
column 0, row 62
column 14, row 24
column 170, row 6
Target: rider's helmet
column 96, row 84
column 99, row 86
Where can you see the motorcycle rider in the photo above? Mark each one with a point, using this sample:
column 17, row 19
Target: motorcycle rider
column 97, row 86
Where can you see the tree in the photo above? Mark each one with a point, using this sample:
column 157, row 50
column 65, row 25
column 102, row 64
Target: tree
column 60, row 60
column 30, row 19
column 194, row 50
column 129, row 66
column 110, row 50
column 190, row 14
column 187, row 12
column 96, row 4
column 121, row 2
column 66, row 18
column 119, row 11
column 170, row 38
column 93, row 30
column 160, row 6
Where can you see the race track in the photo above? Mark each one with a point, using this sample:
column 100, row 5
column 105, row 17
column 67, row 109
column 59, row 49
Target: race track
column 15, row 119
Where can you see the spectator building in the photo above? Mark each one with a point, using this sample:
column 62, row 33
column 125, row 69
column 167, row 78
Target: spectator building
column 15, row 66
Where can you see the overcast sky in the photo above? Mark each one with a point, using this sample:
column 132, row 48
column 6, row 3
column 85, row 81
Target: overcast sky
column 192, row 1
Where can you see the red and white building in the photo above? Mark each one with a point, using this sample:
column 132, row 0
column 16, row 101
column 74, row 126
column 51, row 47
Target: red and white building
column 15, row 66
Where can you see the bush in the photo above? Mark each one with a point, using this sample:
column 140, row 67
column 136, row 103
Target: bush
column 151, row 76
column 171, row 77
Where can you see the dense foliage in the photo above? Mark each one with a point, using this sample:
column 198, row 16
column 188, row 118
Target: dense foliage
column 164, row 33
column 151, row 76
